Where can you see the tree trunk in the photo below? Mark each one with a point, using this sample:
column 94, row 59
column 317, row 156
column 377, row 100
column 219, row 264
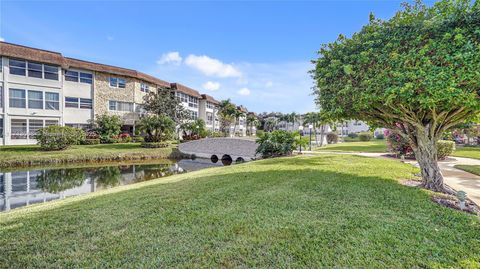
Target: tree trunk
column 425, row 150
column 322, row 136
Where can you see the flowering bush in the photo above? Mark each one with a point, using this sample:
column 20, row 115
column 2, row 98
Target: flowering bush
column 125, row 138
column 332, row 138
column 398, row 144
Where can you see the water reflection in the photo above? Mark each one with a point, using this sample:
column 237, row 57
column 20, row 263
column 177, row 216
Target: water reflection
column 21, row 188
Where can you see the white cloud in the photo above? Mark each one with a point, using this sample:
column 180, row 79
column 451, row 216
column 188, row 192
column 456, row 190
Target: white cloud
column 110, row 38
column 212, row 67
column 172, row 57
column 269, row 84
column 211, row 86
column 2, row 39
column 244, row 91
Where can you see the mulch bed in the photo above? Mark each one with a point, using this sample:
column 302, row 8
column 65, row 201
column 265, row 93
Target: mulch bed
column 446, row 199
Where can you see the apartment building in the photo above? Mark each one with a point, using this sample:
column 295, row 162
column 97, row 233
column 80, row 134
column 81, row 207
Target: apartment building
column 39, row 88
column 209, row 112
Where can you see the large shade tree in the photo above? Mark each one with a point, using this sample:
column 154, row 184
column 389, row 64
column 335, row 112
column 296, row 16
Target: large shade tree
column 417, row 73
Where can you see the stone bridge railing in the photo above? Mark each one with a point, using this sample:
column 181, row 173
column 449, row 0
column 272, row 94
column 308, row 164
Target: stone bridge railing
column 235, row 148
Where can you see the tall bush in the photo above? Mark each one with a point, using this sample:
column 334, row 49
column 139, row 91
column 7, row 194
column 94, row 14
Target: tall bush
column 276, row 143
column 157, row 128
column 59, row 137
column 332, row 138
column 107, row 126
column 365, row 136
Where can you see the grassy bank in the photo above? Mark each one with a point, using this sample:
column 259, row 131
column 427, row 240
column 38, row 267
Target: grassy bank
column 32, row 155
column 321, row 211
column 474, row 169
column 369, row 146
column 467, row 152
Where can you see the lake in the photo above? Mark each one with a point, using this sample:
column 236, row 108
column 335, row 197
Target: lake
column 22, row 187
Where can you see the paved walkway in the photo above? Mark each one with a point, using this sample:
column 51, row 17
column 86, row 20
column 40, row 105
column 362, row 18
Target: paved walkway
column 453, row 177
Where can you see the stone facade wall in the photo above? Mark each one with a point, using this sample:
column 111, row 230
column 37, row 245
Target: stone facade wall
column 103, row 93
column 139, row 94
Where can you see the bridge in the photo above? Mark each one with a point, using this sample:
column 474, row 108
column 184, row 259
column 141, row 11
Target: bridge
column 222, row 148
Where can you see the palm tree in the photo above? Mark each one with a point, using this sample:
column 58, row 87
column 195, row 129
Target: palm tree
column 237, row 114
column 252, row 120
column 226, row 111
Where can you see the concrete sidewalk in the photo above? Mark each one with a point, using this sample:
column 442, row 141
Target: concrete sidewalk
column 453, row 177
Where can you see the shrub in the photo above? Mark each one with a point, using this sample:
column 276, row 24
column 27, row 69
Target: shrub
column 365, row 136
column 380, row 136
column 353, row 135
column 125, row 138
column 217, row 134
column 92, row 135
column 59, row 137
column 155, row 144
column 194, row 130
column 276, row 143
column 157, row 128
column 138, row 139
column 332, row 138
column 444, row 149
column 91, row 141
column 108, row 139
column 260, row 133
column 107, row 125
column 398, row 144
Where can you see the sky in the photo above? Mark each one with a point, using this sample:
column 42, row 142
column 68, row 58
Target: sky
column 257, row 53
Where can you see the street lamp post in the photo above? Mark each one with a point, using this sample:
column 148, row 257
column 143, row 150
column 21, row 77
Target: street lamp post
column 300, row 128
column 310, row 127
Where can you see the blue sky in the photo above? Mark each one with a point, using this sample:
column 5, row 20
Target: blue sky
column 256, row 53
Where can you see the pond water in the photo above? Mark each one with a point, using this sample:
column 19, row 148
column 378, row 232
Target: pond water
column 22, row 187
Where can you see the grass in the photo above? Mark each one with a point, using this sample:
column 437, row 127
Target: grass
column 322, row 211
column 33, row 155
column 474, row 169
column 368, row 146
column 467, row 152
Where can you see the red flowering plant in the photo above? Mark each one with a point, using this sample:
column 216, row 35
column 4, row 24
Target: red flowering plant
column 398, row 144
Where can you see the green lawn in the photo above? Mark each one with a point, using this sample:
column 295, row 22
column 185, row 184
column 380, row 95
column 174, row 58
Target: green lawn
column 369, row 146
column 468, row 152
column 32, row 155
column 322, row 211
column 474, row 169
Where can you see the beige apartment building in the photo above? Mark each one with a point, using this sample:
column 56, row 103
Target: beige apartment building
column 40, row 88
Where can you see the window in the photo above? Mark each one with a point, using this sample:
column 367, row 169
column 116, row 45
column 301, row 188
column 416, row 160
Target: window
column 120, row 106
column 35, row 70
column 51, row 122
column 50, row 72
column 71, row 102
column 17, row 67
column 17, row 98
column 86, row 78
column 144, row 88
column 76, row 76
column 19, row 129
column 1, row 97
column 35, row 99
column 1, row 128
column 139, row 108
column 84, row 127
column 210, row 105
column 117, row 82
column 192, row 101
column 33, row 127
column 85, row 103
column 182, row 97
column 71, row 76
column 209, row 117
column 52, row 101
column 193, row 115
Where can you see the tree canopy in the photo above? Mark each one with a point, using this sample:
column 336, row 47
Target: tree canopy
column 418, row 73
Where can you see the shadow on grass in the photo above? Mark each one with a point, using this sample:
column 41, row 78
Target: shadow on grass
column 269, row 218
